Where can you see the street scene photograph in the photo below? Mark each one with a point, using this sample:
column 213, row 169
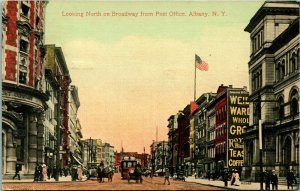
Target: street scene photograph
column 150, row 95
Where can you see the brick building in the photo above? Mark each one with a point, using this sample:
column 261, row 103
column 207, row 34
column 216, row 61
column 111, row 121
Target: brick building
column 23, row 82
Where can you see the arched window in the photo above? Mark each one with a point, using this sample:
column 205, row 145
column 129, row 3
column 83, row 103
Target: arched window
column 281, row 107
column 294, row 106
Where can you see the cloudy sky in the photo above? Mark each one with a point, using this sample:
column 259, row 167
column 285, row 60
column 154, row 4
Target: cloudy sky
column 133, row 72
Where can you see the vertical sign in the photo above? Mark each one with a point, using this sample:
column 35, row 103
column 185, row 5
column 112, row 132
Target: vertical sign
column 238, row 121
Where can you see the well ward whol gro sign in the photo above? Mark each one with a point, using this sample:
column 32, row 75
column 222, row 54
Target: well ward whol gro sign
column 238, row 121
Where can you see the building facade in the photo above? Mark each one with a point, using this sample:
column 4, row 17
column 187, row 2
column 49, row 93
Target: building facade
column 274, row 89
column 58, row 71
column 109, row 156
column 23, row 82
column 74, row 148
column 201, row 149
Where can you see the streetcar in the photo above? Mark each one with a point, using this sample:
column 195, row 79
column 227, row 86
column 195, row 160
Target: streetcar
column 127, row 165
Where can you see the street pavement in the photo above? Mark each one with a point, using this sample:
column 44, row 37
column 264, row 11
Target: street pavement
column 61, row 179
column 155, row 183
column 150, row 183
column 243, row 186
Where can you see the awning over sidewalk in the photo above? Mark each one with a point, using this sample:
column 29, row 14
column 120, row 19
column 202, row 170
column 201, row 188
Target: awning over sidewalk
column 77, row 160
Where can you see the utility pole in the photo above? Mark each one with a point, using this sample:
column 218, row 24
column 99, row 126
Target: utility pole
column 163, row 156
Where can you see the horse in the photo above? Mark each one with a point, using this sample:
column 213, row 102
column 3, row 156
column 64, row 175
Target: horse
column 104, row 173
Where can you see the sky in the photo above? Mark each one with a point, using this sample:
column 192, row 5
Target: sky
column 134, row 71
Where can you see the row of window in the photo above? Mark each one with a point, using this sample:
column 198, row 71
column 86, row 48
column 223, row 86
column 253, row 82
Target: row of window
column 211, row 152
column 257, row 41
column 256, row 79
column 287, row 66
column 221, row 148
column 294, row 105
column 221, row 113
column 221, row 131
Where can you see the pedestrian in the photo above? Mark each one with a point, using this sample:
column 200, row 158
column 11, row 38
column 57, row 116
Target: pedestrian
column 267, row 180
column 237, row 178
column 79, row 173
column 232, row 180
column 44, row 172
column 54, row 171
column 17, row 171
column 37, row 172
column 274, row 180
column 49, row 172
column 291, row 179
column 167, row 176
column 208, row 175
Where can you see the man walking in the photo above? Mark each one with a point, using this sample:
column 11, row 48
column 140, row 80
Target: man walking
column 167, row 175
column 17, row 172
column 274, row 180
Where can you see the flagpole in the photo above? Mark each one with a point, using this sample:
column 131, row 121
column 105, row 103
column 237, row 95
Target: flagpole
column 195, row 81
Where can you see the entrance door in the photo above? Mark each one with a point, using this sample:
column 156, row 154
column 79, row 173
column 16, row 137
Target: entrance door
column 287, row 151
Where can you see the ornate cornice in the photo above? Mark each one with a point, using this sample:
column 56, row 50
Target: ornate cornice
column 24, row 26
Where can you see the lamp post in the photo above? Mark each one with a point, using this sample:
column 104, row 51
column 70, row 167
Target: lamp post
column 163, row 156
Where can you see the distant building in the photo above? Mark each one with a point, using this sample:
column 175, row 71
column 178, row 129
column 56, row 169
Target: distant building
column 274, row 89
column 74, row 147
column 109, row 157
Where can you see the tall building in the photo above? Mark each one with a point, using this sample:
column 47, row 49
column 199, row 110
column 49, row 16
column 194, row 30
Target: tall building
column 50, row 122
column 209, row 160
column 199, row 156
column 73, row 141
column 58, row 71
column 274, row 89
column 183, row 140
column 23, row 82
column 173, row 142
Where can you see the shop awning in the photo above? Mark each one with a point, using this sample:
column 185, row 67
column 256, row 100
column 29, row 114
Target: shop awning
column 77, row 160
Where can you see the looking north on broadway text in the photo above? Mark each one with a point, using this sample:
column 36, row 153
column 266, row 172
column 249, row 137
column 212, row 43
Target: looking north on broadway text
column 142, row 14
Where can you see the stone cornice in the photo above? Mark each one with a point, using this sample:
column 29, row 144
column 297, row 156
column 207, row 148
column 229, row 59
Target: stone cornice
column 266, row 9
column 26, row 90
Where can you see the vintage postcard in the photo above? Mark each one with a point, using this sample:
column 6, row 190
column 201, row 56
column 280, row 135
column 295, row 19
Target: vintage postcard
column 150, row 95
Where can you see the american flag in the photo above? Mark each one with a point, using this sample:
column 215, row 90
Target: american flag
column 200, row 64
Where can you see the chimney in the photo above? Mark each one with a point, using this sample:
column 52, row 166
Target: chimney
column 230, row 86
column 245, row 88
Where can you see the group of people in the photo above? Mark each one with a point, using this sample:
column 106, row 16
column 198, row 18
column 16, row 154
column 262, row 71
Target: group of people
column 270, row 178
column 41, row 173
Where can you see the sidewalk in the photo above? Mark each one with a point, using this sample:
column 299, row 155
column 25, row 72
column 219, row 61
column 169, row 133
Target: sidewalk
column 243, row 186
column 61, row 179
